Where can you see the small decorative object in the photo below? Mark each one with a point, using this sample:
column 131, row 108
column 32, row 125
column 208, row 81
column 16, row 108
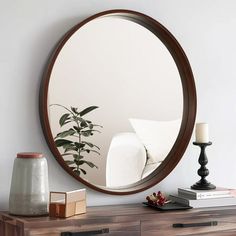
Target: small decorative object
column 157, row 199
column 73, row 140
column 29, row 186
column 66, row 204
column 202, row 140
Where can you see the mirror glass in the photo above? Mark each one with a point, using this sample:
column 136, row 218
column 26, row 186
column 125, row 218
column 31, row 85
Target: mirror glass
column 115, row 102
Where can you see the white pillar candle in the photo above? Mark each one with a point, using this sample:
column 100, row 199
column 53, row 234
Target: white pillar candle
column 202, row 135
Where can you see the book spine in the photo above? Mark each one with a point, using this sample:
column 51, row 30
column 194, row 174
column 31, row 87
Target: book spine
column 204, row 202
column 203, row 196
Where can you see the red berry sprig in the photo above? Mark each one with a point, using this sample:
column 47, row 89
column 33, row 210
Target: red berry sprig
column 157, row 199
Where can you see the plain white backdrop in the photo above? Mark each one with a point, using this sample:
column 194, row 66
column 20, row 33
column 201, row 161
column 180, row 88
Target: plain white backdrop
column 205, row 29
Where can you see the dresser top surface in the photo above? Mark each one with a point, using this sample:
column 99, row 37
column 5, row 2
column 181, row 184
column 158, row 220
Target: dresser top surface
column 134, row 210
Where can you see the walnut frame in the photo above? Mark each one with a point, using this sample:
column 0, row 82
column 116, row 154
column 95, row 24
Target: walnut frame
column 189, row 102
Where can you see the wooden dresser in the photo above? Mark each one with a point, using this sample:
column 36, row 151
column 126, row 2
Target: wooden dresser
column 125, row 220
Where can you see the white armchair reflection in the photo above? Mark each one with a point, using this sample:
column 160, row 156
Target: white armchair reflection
column 126, row 159
column 134, row 155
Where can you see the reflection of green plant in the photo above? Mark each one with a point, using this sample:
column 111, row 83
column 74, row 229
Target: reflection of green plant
column 80, row 129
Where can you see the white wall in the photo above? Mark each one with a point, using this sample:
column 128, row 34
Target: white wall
column 205, row 29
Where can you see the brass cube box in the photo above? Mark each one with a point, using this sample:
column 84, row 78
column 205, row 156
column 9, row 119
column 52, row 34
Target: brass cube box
column 66, row 204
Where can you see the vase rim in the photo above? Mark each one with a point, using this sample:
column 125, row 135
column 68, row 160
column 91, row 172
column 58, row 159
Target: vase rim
column 29, row 155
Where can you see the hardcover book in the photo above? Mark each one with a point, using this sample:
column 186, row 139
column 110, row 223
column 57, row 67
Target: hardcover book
column 199, row 203
column 204, row 194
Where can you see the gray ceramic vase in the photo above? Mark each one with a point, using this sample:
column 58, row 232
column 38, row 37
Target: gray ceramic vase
column 29, row 186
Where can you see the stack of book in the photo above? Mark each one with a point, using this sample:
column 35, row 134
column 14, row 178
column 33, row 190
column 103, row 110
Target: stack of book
column 205, row 198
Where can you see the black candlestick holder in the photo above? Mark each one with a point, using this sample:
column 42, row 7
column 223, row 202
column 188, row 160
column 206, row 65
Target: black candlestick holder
column 203, row 172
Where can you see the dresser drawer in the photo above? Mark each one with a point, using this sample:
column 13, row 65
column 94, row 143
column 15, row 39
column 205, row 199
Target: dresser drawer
column 131, row 228
column 226, row 226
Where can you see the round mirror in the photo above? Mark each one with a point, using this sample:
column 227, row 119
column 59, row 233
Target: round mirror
column 118, row 102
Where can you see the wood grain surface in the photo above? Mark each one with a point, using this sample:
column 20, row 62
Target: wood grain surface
column 133, row 219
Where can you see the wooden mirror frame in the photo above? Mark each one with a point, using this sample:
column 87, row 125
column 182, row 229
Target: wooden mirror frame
column 189, row 102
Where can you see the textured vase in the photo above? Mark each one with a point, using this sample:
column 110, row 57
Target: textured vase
column 29, row 186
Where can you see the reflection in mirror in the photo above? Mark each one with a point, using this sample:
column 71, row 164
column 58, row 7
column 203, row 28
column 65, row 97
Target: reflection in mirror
column 115, row 102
